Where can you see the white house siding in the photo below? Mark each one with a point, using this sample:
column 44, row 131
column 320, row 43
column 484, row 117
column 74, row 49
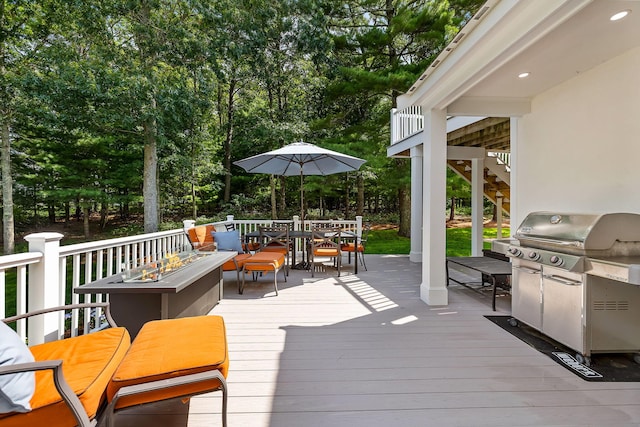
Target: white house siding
column 579, row 148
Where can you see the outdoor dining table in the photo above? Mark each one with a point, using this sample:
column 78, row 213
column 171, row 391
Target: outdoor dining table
column 305, row 235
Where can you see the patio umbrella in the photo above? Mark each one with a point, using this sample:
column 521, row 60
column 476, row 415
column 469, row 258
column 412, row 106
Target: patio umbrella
column 300, row 158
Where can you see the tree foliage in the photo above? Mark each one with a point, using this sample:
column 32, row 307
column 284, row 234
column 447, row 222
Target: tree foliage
column 141, row 106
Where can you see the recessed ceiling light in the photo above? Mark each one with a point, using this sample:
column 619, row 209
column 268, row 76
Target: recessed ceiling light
column 618, row 16
column 524, row 75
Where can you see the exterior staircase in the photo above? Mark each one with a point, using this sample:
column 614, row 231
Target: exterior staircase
column 496, row 176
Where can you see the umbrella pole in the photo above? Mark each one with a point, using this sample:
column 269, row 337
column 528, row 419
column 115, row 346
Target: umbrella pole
column 302, row 198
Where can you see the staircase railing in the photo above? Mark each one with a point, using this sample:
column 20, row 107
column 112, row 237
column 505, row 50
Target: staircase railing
column 503, row 157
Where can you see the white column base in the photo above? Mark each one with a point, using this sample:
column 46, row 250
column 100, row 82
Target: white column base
column 415, row 256
column 432, row 296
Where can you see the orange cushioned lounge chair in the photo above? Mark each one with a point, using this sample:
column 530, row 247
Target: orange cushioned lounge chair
column 201, row 238
column 76, row 377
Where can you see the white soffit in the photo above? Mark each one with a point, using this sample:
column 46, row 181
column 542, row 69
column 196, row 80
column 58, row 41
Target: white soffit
column 554, row 40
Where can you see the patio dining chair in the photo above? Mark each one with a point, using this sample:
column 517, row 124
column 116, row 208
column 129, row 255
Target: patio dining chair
column 325, row 242
column 358, row 251
column 276, row 239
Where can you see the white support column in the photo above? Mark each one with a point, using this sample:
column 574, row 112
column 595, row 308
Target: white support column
column 499, row 217
column 477, row 204
column 415, row 255
column 514, row 219
column 44, row 289
column 433, row 289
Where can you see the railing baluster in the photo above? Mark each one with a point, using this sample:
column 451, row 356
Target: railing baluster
column 2, row 295
column 21, row 300
column 406, row 122
column 75, row 282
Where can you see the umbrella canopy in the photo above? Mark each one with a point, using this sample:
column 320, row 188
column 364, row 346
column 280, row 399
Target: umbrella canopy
column 300, row 158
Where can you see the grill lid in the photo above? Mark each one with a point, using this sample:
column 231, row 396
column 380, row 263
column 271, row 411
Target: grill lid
column 583, row 234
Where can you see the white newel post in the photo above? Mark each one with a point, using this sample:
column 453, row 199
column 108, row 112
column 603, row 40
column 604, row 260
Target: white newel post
column 44, row 287
column 359, row 225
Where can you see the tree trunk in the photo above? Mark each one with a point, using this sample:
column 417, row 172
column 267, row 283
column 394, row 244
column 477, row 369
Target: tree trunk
column 283, row 197
column 272, row 184
column 228, row 140
column 347, row 197
column 452, row 211
column 51, row 213
column 104, row 215
column 150, row 187
column 194, row 205
column 404, row 207
column 360, row 199
column 85, row 223
column 67, row 213
column 7, row 190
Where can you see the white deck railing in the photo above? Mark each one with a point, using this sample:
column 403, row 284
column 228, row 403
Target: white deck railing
column 54, row 271
column 406, row 122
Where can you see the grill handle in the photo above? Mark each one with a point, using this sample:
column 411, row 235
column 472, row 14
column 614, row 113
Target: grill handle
column 526, row 269
column 562, row 280
column 555, row 242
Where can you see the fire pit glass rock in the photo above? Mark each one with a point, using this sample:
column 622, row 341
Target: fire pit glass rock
column 156, row 270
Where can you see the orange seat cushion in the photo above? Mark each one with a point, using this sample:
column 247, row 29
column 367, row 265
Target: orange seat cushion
column 88, row 362
column 263, row 261
column 326, row 252
column 201, row 237
column 275, row 249
column 171, row 348
column 237, row 265
column 351, row 247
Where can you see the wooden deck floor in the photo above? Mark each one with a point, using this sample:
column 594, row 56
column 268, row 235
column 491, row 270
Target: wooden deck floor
column 366, row 351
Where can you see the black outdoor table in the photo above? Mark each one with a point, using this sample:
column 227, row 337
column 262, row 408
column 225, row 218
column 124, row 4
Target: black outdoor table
column 492, row 268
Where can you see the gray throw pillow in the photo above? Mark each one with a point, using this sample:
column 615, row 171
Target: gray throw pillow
column 16, row 390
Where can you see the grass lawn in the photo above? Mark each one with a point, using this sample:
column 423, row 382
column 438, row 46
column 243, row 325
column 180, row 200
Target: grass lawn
column 458, row 241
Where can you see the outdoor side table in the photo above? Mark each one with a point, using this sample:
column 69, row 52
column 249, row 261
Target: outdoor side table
column 497, row 271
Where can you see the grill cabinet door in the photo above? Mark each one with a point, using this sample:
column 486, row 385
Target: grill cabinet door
column 562, row 307
column 526, row 296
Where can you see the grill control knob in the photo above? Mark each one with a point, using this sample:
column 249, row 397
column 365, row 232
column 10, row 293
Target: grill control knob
column 556, row 260
column 514, row 251
column 534, row 256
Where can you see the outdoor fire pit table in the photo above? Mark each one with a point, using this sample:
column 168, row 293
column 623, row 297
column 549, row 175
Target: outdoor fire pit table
column 188, row 289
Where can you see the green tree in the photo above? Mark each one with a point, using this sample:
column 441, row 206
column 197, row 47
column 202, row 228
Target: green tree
column 457, row 188
column 24, row 29
column 381, row 47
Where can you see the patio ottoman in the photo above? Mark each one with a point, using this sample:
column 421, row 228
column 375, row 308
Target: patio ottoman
column 262, row 262
column 172, row 358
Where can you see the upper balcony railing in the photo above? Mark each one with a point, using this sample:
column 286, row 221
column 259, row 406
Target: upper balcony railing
column 54, row 271
column 406, row 122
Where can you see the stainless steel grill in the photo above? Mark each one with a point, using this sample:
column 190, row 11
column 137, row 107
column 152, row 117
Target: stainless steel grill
column 573, row 277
